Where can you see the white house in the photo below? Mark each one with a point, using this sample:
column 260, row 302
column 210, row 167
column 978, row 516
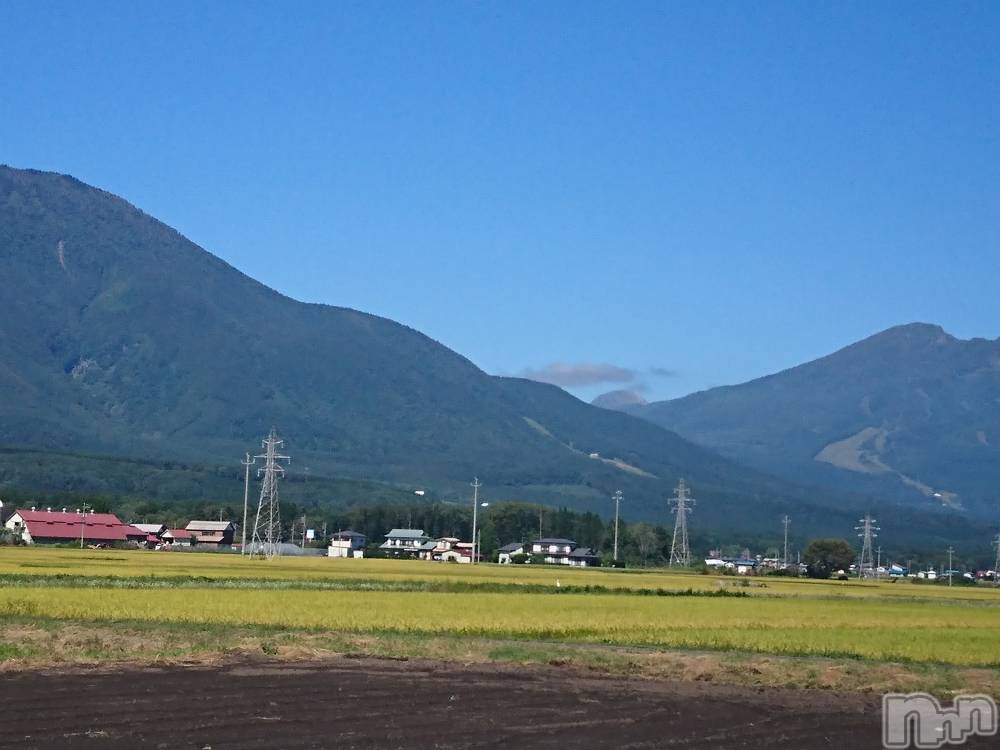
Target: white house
column 343, row 548
column 347, row 544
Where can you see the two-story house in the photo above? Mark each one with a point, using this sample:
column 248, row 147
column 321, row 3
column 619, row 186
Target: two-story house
column 404, row 542
column 556, row 551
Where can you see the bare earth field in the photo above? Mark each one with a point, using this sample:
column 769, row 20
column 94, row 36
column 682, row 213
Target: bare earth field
column 368, row 703
column 375, row 703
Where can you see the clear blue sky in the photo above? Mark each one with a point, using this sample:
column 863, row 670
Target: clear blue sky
column 720, row 190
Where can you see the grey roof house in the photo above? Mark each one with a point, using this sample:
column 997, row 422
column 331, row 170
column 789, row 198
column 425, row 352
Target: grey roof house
column 404, row 541
column 558, row 551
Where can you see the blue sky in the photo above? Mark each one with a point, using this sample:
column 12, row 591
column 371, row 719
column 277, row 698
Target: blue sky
column 686, row 194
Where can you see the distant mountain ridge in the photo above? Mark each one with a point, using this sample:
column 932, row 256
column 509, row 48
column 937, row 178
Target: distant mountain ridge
column 911, row 413
column 120, row 337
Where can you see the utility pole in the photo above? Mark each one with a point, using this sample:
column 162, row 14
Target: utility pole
column 246, row 499
column 618, row 500
column 785, row 522
column 266, row 539
column 951, row 553
column 303, row 532
column 680, row 550
column 475, row 507
column 83, row 522
column 868, row 533
column 996, row 565
column 541, row 510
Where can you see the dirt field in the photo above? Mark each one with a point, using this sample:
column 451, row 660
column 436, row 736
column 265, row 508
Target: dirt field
column 362, row 703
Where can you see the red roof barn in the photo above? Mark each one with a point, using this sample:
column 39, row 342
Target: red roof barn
column 41, row 526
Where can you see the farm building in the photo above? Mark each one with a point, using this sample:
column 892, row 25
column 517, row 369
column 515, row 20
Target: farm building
column 51, row 527
column 177, row 537
column 212, row 532
column 153, row 532
column 404, row 541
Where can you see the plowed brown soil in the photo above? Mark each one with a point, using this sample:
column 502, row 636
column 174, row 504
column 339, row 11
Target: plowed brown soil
column 366, row 703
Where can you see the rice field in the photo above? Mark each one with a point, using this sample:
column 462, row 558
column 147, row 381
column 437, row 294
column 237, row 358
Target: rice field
column 883, row 622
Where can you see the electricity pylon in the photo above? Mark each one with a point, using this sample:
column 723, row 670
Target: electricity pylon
column 267, row 529
column 868, row 532
column 680, row 550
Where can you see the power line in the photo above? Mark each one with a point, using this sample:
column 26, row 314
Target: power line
column 267, row 528
column 680, row 550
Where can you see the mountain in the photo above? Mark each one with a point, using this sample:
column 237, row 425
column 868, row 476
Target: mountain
column 120, row 338
column 618, row 400
column 910, row 414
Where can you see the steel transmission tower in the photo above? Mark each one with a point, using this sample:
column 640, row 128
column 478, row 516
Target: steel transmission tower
column 267, row 529
column 867, row 532
column 680, row 550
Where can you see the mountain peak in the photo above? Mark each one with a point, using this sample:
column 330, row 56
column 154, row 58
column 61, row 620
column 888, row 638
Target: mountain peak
column 930, row 331
column 619, row 399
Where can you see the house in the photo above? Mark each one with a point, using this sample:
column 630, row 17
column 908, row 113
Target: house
column 553, row 551
column 177, row 537
column 583, row 557
column 462, row 552
column 558, row 551
column 506, row 553
column 356, row 539
column 52, row 527
column 404, row 542
column 347, row 544
column 212, row 532
column 446, row 549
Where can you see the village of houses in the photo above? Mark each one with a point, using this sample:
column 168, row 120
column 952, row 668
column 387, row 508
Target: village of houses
column 48, row 526
column 62, row 526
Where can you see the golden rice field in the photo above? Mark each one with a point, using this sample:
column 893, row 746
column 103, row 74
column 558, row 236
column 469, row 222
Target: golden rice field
column 887, row 622
column 125, row 564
